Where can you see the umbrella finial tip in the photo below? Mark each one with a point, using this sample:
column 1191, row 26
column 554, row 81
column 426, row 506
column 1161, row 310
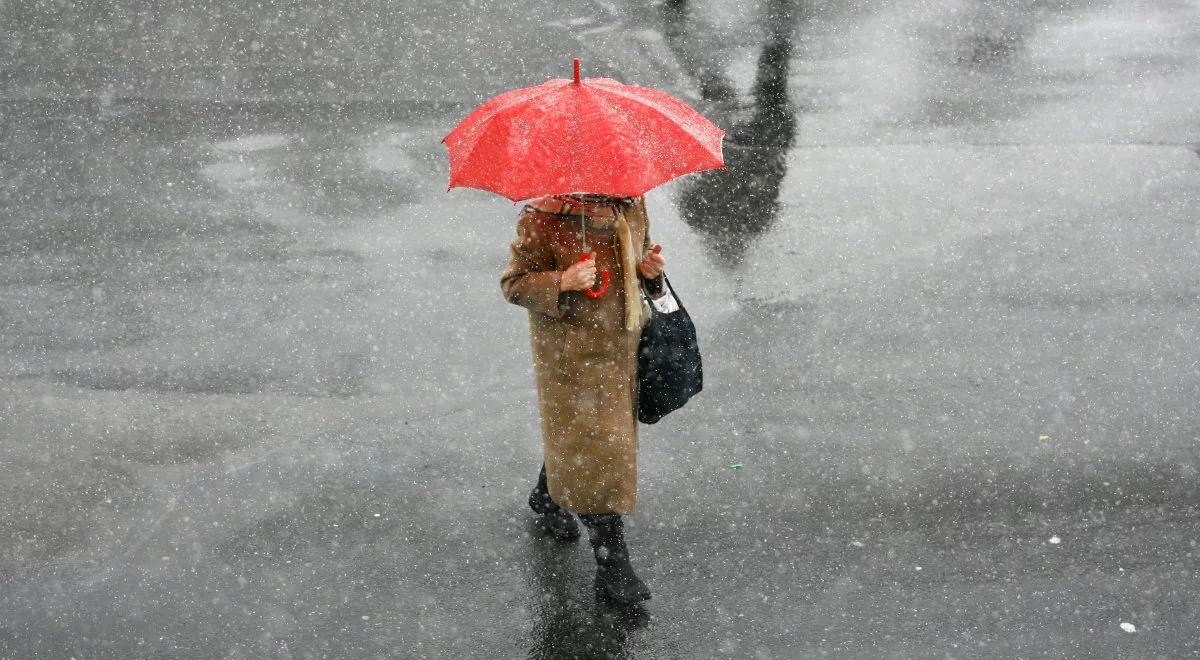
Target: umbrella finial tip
column 575, row 63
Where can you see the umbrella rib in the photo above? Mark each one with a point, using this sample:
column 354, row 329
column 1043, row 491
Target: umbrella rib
column 472, row 133
column 680, row 115
column 479, row 129
column 506, row 177
column 635, row 120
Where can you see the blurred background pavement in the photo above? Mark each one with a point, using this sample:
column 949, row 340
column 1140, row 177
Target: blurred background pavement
column 260, row 396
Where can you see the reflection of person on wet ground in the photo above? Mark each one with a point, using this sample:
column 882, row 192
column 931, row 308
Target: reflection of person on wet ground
column 565, row 626
column 731, row 207
column 585, row 359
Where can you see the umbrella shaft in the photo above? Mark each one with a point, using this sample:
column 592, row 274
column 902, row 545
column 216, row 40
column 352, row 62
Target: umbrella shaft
column 583, row 221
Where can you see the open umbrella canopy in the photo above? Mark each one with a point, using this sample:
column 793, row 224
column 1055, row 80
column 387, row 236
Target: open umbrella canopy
column 594, row 135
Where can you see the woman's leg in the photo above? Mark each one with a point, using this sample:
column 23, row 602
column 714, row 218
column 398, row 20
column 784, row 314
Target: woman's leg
column 556, row 520
column 614, row 572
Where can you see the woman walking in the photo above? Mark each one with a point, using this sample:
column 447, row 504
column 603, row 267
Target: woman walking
column 585, row 361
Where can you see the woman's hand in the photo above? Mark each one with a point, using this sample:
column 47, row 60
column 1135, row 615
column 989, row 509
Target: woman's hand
column 652, row 266
column 581, row 275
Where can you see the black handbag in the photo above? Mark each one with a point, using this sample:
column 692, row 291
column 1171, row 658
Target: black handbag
column 669, row 369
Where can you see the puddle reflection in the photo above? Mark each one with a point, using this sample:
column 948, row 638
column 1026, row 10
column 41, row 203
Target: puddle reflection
column 731, row 207
column 569, row 621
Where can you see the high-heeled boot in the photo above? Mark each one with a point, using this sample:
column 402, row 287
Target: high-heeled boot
column 555, row 519
column 615, row 578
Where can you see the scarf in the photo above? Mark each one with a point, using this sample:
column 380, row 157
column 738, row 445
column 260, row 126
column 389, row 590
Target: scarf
column 627, row 253
column 633, row 298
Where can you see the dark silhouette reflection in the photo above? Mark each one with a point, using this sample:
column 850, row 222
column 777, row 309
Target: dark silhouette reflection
column 733, row 206
column 570, row 622
column 699, row 61
column 995, row 34
column 987, row 45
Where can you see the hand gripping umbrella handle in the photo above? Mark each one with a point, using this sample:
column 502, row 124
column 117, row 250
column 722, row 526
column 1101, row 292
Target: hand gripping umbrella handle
column 605, row 280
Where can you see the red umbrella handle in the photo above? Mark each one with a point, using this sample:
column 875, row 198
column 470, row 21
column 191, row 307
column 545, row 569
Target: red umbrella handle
column 605, row 279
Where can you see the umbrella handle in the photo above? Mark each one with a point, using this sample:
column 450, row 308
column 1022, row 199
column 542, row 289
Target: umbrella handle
column 605, row 279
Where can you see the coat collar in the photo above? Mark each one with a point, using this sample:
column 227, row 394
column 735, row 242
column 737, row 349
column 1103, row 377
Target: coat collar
column 571, row 205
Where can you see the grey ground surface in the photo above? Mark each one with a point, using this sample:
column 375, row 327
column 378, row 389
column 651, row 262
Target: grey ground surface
column 260, row 396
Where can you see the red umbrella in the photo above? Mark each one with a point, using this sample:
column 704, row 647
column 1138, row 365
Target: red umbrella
column 580, row 136
column 594, row 135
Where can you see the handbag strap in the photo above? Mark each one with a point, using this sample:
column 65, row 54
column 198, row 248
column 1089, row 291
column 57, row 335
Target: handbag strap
column 670, row 288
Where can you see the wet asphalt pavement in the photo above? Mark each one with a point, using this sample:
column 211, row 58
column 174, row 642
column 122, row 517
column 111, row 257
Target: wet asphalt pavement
column 260, row 396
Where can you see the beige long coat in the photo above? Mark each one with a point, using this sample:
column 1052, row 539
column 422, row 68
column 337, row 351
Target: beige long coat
column 584, row 358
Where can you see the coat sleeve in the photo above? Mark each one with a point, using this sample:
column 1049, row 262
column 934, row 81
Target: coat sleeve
column 531, row 279
column 654, row 287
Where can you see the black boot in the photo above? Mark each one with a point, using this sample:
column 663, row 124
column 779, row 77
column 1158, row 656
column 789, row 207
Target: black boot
column 615, row 578
column 555, row 519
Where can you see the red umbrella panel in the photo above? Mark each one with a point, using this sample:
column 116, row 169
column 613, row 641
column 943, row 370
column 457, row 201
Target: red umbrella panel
column 593, row 135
